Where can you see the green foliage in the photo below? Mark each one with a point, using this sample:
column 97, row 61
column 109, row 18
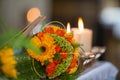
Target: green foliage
column 66, row 76
column 73, row 76
column 57, row 56
column 75, row 45
column 46, row 62
column 24, row 68
column 38, row 69
column 7, row 36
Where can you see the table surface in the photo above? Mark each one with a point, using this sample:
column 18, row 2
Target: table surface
column 101, row 70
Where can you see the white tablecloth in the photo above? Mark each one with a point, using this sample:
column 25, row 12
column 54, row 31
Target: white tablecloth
column 100, row 71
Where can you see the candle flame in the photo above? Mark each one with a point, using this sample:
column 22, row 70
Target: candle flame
column 80, row 24
column 68, row 27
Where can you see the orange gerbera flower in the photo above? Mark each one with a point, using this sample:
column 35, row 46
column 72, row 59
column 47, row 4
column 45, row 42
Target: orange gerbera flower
column 47, row 44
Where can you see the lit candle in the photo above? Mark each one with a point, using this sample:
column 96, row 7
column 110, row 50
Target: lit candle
column 69, row 33
column 83, row 36
column 68, row 27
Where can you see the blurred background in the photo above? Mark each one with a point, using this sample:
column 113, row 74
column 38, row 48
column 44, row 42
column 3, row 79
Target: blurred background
column 102, row 16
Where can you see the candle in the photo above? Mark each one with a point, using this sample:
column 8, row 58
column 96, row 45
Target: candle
column 83, row 36
column 69, row 33
column 68, row 27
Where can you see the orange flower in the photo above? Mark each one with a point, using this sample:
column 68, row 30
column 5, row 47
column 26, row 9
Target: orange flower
column 73, row 63
column 64, row 55
column 60, row 32
column 40, row 34
column 57, row 48
column 51, row 67
column 55, row 28
column 69, row 37
column 73, row 66
column 70, row 40
column 57, row 61
column 49, row 30
column 68, row 70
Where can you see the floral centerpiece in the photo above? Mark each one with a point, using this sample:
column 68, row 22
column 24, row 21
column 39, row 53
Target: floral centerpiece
column 58, row 52
column 50, row 54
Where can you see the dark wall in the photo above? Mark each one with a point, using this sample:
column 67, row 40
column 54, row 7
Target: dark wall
column 71, row 10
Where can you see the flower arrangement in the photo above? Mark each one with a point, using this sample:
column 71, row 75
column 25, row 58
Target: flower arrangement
column 58, row 53
column 51, row 54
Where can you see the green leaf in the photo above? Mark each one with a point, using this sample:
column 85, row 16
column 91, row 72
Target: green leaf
column 75, row 45
column 57, row 56
column 46, row 62
column 38, row 69
column 65, row 76
column 24, row 67
column 31, row 47
column 6, row 37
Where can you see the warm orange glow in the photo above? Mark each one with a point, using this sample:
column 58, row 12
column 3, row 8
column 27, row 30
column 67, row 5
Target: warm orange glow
column 68, row 27
column 80, row 24
column 32, row 14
